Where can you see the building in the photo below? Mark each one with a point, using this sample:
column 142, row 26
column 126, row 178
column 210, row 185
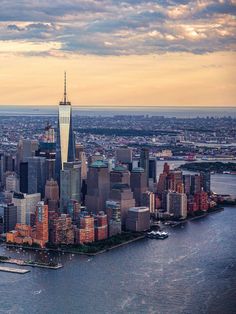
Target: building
column 101, row 226
column 144, row 162
column 124, row 155
column 33, row 175
column 52, row 195
column 113, row 217
column 70, row 184
column 65, row 148
column 41, row 224
column 148, row 200
column 9, row 218
column 61, row 230
column 205, row 181
column 138, row 184
column 122, row 194
column 26, row 205
column 177, row 204
column 98, row 186
column 138, row 219
column 12, row 182
column 119, row 174
column 85, row 233
column 201, row 200
column 174, row 179
column 80, row 156
column 152, row 170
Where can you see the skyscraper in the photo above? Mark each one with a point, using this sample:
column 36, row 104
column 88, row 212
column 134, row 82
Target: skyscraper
column 65, row 150
column 70, row 184
column 144, row 162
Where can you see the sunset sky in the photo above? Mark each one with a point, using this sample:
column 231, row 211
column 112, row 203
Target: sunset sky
column 134, row 52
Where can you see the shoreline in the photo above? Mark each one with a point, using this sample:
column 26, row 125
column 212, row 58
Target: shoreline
column 70, row 251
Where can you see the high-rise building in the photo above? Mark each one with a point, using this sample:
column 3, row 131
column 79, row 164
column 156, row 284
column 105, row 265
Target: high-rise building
column 26, row 205
column 195, row 184
column 101, row 227
column 70, row 184
column 80, row 156
column 10, row 217
column 119, row 174
column 177, row 204
column 144, row 162
column 124, row 155
column 36, row 175
column 138, row 184
column 138, row 219
column 12, row 182
column 85, row 232
column 122, row 193
column 65, row 148
column 148, row 200
column 41, row 224
column 206, row 181
column 201, row 200
column 113, row 217
column 174, row 179
column 26, row 148
column 98, row 186
column 61, row 230
column 153, row 170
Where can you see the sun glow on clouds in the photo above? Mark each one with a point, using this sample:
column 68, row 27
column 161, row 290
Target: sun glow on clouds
column 172, row 52
column 28, row 47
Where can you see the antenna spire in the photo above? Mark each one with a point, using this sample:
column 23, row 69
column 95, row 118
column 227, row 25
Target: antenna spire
column 65, row 87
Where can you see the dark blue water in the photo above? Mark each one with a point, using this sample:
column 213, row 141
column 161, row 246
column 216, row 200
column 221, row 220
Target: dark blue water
column 193, row 271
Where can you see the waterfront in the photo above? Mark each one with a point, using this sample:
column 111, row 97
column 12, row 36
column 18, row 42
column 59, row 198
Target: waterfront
column 193, row 271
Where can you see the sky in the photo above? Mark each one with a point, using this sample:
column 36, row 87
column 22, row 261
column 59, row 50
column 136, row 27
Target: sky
column 118, row 53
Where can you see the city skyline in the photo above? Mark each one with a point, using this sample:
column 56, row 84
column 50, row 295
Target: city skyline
column 133, row 53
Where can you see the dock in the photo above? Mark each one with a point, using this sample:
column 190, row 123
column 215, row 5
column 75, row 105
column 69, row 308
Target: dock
column 14, row 270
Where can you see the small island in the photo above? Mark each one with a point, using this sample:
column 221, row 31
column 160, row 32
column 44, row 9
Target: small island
column 218, row 167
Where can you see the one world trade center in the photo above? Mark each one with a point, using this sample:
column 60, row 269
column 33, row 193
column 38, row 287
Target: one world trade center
column 65, row 148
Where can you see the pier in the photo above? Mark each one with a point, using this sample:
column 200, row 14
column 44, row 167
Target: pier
column 14, row 270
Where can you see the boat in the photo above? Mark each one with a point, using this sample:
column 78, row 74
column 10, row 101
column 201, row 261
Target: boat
column 159, row 235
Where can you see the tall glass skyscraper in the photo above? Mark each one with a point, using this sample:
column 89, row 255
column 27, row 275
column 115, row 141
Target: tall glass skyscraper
column 65, row 151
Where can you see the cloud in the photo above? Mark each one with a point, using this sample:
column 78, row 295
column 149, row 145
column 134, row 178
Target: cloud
column 111, row 27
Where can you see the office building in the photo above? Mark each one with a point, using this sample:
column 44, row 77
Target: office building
column 65, row 148
column 124, row 155
column 138, row 184
column 61, row 230
column 144, row 162
column 26, row 205
column 122, row 194
column 100, row 226
column 138, row 219
column 119, row 174
column 177, row 204
column 10, row 217
column 98, row 186
column 113, row 217
column 70, row 184
column 85, row 233
column 12, row 182
column 148, row 200
column 41, row 224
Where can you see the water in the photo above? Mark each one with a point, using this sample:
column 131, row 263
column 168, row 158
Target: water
column 193, row 271
column 179, row 112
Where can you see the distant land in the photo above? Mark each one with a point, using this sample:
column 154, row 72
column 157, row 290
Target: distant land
column 219, row 167
column 174, row 111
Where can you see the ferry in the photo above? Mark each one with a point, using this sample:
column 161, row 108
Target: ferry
column 159, row 235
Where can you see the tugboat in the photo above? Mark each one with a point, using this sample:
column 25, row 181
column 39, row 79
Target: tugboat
column 159, row 235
